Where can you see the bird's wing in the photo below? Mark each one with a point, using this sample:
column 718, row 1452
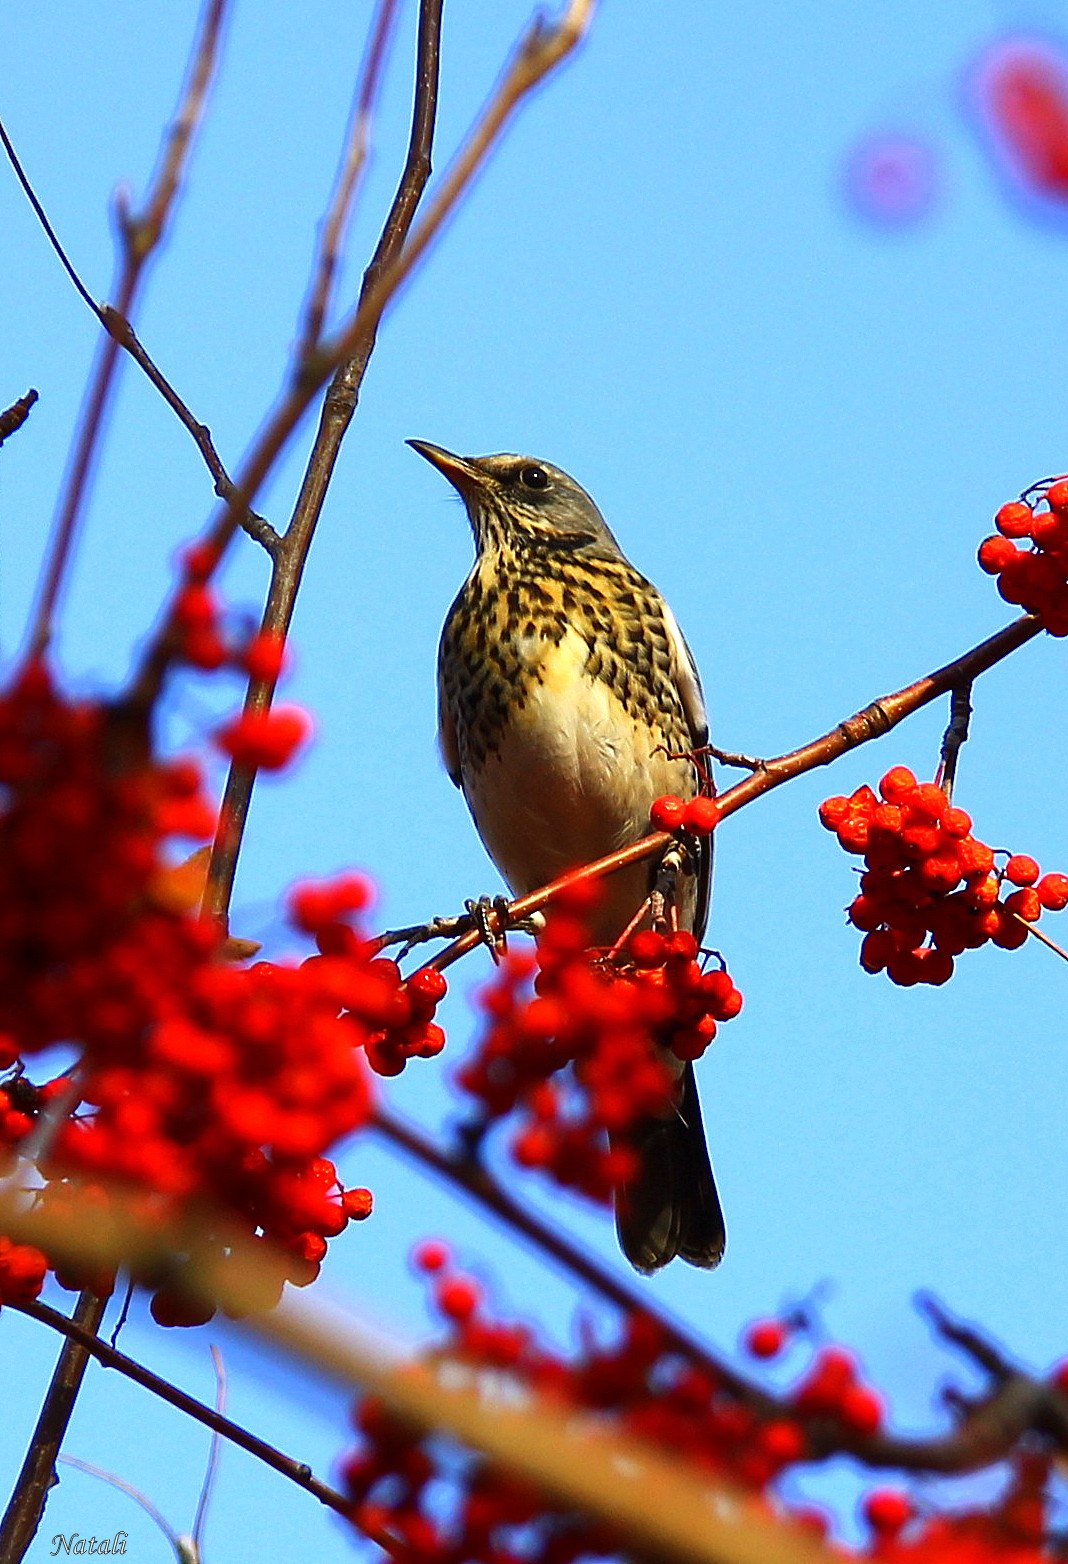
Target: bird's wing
column 688, row 681
column 447, row 745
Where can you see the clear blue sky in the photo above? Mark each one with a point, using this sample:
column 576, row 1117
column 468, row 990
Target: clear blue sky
column 797, row 424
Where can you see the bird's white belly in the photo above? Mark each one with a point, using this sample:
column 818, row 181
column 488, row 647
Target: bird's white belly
column 572, row 780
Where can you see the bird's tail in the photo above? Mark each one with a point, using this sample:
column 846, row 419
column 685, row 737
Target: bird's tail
column 671, row 1206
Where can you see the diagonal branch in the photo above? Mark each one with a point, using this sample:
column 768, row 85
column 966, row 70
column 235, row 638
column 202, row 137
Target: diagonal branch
column 116, row 324
column 213, row 1418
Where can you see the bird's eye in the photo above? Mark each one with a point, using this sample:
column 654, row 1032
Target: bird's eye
column 534, row 477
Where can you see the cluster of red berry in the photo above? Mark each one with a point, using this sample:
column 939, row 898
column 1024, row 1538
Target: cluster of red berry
column 638, row 1385
column 612, row 1021
column 197, row 1079
column 931, row 889
column 398, row 1013
column 1036, row 576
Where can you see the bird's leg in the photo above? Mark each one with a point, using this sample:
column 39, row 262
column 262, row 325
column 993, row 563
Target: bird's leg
column 664, row 901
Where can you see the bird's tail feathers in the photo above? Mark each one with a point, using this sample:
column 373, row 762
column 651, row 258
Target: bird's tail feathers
column 671, row 1207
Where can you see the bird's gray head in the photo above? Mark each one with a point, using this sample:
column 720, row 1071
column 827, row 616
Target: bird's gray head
column 516, row 501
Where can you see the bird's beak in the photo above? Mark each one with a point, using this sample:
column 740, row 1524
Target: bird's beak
column 463, row 474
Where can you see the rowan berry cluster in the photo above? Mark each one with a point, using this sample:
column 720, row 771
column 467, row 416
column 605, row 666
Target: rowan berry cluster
column 1033, row 575
column 198, row 1080
column 638, row 1386
column 397, row 1013
column 614, row 1022
column 932, row 890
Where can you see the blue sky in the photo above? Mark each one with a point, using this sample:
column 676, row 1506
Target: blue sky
column 797, row 423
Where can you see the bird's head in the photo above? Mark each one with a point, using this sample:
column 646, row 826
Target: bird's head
column 514, row 501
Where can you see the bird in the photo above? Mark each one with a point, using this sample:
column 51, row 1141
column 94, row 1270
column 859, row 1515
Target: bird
column 567, row 699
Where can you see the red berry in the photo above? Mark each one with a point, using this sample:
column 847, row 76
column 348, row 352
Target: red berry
column 431, row 1255
column 1025, row 904
column 702, row 816
column 833, row 811
column 1022, row 870
column 766, row 1338
column 667, row 813
column 1057, row 494
column 1053, row 892
column 861, row 1410
column 887, row 1511
column 458, row 1297
column 265, row 655
column 1014, row 519
column 995, row 554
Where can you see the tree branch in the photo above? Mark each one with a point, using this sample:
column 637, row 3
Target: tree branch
column 38, row 1475
column 87, row 1341
column 13, row 417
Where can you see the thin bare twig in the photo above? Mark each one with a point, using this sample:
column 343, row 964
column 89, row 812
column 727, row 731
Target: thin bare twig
column 296, row 1471
column 141, row 234
column 42, row 217
column 38, row 1475
column 353, row 162
column 118, row 327
column 214, row 1452
column 15, row 416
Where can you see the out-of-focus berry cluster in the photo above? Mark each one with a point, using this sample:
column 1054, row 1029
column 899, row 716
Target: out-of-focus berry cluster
column 425, row 1502
column 618, row 1023
column 197, row 1080
column 1029, row 554
column 932, row 890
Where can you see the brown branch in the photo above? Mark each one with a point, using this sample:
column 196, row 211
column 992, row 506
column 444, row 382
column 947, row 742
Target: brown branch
column 872, row 722
column 119, row 328
column 141, row 234
column 337, row 413
column 15, row 416
column 296, row 1471
column 352, row 166
column 38, row 1475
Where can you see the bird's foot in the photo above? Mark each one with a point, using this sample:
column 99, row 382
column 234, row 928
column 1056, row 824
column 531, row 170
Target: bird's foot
column 489, row 916
column 704, row 752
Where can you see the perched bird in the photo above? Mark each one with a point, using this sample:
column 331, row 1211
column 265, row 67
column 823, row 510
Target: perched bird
column 564, row 685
